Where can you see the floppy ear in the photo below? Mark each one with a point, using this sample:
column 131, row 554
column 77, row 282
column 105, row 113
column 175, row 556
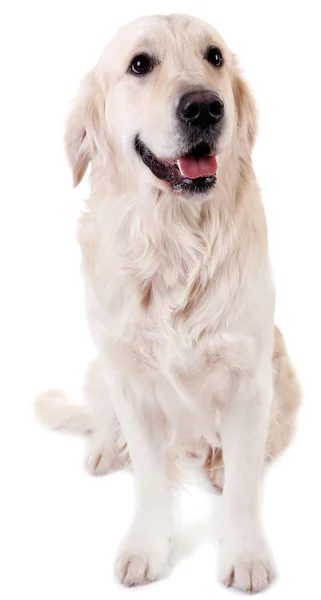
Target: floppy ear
column 246, row 114
column 85, row 127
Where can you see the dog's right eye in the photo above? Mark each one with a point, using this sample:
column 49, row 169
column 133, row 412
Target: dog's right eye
column 141, row 65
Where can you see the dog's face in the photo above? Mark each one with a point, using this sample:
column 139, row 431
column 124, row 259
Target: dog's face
column 166, row 104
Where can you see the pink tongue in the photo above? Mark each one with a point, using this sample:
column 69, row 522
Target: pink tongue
column 192, row 168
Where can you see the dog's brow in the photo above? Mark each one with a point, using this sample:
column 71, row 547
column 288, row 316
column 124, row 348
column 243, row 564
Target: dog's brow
column 207, row 40
column 147, row 44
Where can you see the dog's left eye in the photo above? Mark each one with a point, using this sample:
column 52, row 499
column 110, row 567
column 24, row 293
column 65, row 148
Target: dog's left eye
column 214, row 56
column 141, row 65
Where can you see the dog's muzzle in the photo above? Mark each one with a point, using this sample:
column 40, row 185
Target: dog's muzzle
column 199, row 117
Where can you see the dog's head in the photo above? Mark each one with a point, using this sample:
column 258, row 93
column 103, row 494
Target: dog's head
column 165, row 106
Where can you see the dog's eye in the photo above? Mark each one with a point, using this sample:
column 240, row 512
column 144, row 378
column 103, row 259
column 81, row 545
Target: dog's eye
column 141, row 65
column 214, row 56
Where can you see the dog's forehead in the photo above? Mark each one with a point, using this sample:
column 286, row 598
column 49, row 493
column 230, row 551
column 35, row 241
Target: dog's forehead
column 160, row 35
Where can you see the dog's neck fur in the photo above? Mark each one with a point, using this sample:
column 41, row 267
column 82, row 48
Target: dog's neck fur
column 170, row 247
column 178, row 231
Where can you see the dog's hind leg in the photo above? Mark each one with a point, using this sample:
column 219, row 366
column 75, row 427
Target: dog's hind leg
column 286, row 400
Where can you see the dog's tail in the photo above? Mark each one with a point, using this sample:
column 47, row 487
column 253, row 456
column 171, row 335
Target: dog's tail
column 54, row 410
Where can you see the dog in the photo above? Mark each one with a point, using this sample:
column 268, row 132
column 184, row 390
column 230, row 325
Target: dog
column 179, row 291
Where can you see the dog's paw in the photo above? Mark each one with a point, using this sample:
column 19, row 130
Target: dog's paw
column 249, row 571
column 141, row 565
column 102, row 459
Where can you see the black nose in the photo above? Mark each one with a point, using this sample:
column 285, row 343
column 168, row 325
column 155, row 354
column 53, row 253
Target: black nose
column 201, row 109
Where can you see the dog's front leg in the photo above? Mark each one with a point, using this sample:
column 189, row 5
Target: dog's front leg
column 245, row 561
column 144, row 554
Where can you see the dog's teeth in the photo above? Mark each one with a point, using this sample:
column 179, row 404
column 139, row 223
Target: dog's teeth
column 178, row 167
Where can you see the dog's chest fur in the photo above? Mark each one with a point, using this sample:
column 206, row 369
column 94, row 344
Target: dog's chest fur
column 171, row 286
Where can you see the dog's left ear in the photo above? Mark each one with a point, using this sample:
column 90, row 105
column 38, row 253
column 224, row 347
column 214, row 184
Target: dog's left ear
column 86, row 127
column 247, row 116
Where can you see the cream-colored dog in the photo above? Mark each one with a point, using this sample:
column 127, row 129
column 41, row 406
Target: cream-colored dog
column 179, row 292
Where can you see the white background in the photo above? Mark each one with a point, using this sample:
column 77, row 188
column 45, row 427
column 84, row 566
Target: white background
column 59, row 527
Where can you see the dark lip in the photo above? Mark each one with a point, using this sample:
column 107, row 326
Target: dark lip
column 166, row 171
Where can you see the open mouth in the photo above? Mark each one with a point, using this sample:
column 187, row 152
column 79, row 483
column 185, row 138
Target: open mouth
column 193, row 172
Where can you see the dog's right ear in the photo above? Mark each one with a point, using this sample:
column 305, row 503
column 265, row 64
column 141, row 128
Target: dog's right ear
column 85, row 127
column 246, row 113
